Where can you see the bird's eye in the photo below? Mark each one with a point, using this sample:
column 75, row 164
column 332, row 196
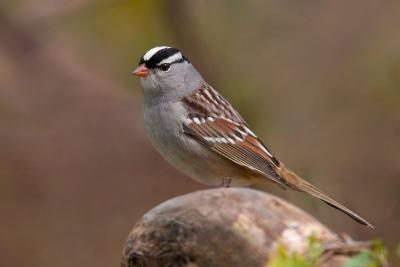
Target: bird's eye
column 165, row 67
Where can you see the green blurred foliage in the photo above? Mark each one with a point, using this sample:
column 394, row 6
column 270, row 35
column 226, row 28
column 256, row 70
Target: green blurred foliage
column 309, row 259
column 375, row 257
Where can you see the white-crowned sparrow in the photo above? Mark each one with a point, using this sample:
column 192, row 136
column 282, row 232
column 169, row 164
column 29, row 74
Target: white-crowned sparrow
column 196, row 129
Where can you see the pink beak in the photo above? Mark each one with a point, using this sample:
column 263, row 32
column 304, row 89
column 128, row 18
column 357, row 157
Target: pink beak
column 141, row 71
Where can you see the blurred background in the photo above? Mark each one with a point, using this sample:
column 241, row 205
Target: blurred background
column 318, row 81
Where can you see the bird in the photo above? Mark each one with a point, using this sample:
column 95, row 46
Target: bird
column 198, row 131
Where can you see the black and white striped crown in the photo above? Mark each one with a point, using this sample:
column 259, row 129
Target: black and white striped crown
column 160, row 55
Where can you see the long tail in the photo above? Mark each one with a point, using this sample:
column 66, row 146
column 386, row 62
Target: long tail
column 297, row 183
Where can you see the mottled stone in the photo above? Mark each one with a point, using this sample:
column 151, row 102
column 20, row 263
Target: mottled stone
column 221, row 227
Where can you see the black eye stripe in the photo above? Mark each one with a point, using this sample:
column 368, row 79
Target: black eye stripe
column 176, row 61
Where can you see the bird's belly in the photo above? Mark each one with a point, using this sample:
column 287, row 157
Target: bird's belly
column 186, row 154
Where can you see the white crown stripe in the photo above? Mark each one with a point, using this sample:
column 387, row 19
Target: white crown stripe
column 153, row 51
column 170, row 59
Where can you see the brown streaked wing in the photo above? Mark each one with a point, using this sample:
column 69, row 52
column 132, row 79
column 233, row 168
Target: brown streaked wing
column 222, row 136
column 206, row 101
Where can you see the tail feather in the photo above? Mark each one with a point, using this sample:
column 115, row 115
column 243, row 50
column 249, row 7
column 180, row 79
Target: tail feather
column 297, row 183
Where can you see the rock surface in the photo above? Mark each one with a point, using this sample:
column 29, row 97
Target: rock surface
column 222, row 227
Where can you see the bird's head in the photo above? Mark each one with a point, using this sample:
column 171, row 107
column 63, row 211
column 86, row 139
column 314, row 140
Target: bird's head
column 165, row 72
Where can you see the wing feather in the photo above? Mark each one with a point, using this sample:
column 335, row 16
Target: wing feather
column 215, row 124
column 220, row 135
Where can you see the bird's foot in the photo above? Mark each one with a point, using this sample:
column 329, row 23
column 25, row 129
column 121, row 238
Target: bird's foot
column 226, row 182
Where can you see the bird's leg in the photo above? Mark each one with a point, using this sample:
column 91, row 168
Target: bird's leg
column 226, row 182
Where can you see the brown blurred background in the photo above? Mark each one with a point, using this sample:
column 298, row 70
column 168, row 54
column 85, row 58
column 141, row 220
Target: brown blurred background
column 318, row 81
